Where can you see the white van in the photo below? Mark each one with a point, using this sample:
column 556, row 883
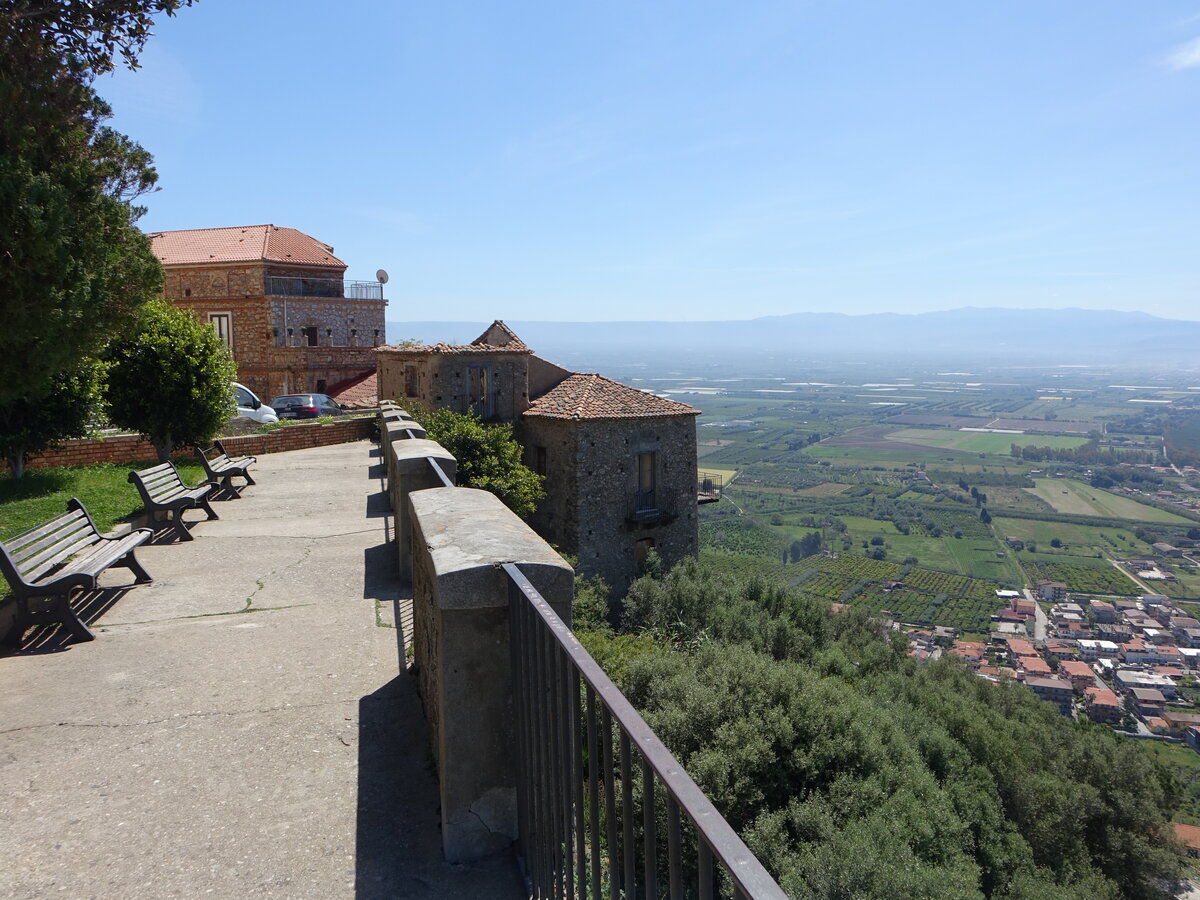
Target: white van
column 251, row 407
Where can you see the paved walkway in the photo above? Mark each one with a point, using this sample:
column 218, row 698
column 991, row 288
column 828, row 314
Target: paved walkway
column 242, row 727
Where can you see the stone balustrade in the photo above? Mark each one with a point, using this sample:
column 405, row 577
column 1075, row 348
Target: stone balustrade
column 451, row 542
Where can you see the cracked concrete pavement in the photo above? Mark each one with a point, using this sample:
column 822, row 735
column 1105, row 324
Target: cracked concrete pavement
column 243, row 726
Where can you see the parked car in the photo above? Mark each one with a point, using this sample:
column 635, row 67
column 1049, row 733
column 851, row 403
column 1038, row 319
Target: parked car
column 305, row 406
column 249, row 406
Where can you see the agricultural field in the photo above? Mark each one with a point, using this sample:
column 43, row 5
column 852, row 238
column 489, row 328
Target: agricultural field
column 1084, row 577
column 824, row 489
column 927, row 597
column 982, row 442
column 830, row 455
column 1067, row 495
column 1117, row 540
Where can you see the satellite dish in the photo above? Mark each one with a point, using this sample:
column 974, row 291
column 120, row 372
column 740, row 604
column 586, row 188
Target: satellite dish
column 381, row 276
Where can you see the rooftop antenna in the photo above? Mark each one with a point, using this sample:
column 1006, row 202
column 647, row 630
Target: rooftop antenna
column 381, row 276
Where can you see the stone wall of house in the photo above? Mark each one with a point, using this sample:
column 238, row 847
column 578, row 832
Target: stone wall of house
column 550, row 447
column 591, row 483
column 183, row 283
column 340, row 321
column 250, row 334
column 267, row 336
column 442, row 380
column 133, row 448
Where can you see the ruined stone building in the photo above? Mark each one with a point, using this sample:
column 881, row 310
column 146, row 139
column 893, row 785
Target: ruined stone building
column 619, row 464
column 279, row 299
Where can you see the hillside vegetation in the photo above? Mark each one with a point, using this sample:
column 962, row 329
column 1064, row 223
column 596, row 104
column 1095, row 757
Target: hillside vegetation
column 855, row 773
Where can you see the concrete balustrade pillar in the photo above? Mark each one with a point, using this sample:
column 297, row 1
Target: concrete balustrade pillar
column 409, row 470
column 393, row 432
column 460, row 536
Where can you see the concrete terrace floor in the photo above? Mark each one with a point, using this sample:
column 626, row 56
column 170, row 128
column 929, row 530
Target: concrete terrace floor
column 242, row 727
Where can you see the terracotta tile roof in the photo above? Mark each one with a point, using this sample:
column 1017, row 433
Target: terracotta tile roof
column 359, row 392
column 1077, row 669
column 250, row 243
column 423, row 349
column 596, row 397
column 1189, row 835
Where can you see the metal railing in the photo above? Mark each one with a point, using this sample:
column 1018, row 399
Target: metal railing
column 285, row 286
column 651, row 506
column 445, row 479
column 582, row 835
column 709, row 484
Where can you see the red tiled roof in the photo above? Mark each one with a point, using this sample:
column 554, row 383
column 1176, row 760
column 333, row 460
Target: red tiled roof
column 596, row 397
column 1077, row 669
column 1189, row 835
column 359, row 392
column 250, row 243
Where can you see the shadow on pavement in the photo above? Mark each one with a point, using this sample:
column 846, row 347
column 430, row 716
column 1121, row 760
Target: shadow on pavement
column 88, row 605
column 378, row 505
column 398, row 850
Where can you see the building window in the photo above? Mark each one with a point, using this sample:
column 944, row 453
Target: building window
column 223, row 323
column 641, row 550
column 410, row 381
column 539, row 460
column 310, row 335
column 479, row 392
column 645, row 481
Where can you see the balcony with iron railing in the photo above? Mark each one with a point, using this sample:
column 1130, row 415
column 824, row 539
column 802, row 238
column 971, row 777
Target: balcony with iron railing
column 285, row 286
column 709, row 487
column 651, row 507
column 534, row 744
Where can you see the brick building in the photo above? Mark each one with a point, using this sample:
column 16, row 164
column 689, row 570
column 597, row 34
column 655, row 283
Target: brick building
column 619, row 464
column 279, row 299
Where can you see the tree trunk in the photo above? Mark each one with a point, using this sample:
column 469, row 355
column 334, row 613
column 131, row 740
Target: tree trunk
column 163, row 446
column 16, row 464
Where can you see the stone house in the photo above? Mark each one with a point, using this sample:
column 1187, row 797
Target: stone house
column 279, row 299
column 619, row 464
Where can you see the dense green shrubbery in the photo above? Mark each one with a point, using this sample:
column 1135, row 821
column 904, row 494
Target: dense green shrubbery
column 855, row 773
column 488, row 458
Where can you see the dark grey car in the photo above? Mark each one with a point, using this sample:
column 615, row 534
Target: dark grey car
column 305, row 406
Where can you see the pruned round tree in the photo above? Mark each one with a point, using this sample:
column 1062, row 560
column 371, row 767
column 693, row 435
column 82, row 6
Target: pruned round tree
column 170, row 378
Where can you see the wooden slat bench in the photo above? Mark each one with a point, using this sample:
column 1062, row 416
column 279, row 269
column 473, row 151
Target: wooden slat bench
column 163, row 491
column 58, row 558
column 221, row 470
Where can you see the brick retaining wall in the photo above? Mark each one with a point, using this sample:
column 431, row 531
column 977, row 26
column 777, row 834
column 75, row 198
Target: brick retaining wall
column 129, row 448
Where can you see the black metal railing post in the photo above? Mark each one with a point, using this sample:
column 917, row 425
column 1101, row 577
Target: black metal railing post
column 566, row 709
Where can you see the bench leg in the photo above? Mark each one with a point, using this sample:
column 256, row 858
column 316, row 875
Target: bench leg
column 246, row 475
column 212, row 513
column 19, row 625
column 70, row 619
column 228, row 489
column 61, row 612
column 177, row 523
column 130, row 562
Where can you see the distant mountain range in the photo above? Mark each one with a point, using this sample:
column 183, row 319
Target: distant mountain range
column 1050, row 336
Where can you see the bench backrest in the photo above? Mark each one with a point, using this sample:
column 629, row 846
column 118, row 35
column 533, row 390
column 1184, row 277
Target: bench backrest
column 210, row 464
column 30, row 555
column 159, row 482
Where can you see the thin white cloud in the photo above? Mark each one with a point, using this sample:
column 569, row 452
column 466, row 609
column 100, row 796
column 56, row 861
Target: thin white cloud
column 1185, row 56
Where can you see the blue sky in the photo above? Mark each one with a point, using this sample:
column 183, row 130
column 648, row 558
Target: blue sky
column 693, row 160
